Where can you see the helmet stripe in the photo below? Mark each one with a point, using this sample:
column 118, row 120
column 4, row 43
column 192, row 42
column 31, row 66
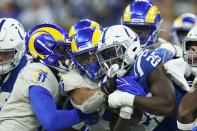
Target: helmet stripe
column 55, row 33
column 95, row 37
column 1, row 24
column 151, row 15
column 71, row 31
column 127, row 32
column 178, row 22
column 127, row 16
column 94, row 24
column 103, row 37
column 74, row 46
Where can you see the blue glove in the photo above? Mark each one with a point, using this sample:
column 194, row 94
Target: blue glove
column 90, row 118
column 131, row 85
column 195, row 128
column 166, row 54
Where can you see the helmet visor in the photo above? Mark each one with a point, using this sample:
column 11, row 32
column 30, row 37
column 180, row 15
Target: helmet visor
column 86, row 58
column 110, row 55
column 143, row 31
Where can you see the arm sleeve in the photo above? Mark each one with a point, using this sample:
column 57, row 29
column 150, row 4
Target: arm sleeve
column 45, row 109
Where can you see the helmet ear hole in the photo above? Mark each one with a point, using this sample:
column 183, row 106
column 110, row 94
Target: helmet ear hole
column 134, row 49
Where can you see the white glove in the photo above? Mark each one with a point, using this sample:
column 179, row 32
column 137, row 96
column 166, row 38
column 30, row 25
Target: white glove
column 126, row 112
column 176, row 68
column 119, row 98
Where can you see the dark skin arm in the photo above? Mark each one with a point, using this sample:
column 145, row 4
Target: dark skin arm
column 163, row 101
column 187, row 112
column 124, row 124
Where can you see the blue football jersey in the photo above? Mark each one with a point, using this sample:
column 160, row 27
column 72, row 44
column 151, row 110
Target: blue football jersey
column 146, row 63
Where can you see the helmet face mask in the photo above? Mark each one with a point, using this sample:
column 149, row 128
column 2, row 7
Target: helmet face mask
column 7, row 55
column 117, row 50
column 112, row 54
column 190, row 52
column 144, row 32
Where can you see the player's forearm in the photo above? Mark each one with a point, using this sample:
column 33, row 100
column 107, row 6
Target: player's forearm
column 45, row 109
column 155, row 105
column 187, row 109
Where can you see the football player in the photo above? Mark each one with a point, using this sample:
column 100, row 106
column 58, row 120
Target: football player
column 12, row 59
column 33, row 99
column 181, row 26
column 143, row 17
column 84, row 78
column 188, row 108
column 147, row 68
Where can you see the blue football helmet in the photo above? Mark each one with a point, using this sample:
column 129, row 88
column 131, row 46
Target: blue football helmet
column 143, row 17
column 83, row 46
column 83, row 24
column 49, row 44
column 181, row 26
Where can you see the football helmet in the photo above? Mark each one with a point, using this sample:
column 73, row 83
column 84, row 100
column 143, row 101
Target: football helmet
column 117, row 50
column 50, row 45
column 83, row 24
column 143, row 17
column 83, row 47
column 12, row 44
column 190, row 47
column 181, row 27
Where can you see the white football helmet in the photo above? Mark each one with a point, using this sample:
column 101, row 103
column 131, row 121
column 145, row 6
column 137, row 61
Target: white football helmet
column 12, row 40
column 117, row 50
column 190, row 54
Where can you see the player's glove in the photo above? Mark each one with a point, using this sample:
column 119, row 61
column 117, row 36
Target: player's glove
column 126, row 112
column 109, row 85
column 90, row 118
column 127, row 87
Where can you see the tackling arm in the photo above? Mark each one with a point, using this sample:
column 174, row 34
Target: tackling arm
column 187, row 110
column 162, row 101
column 45, row 109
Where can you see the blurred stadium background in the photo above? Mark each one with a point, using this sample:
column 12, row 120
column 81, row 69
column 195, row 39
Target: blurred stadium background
column 106, row 12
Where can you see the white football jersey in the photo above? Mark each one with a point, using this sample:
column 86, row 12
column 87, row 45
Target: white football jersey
column 17, row 114
column 73, row 80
